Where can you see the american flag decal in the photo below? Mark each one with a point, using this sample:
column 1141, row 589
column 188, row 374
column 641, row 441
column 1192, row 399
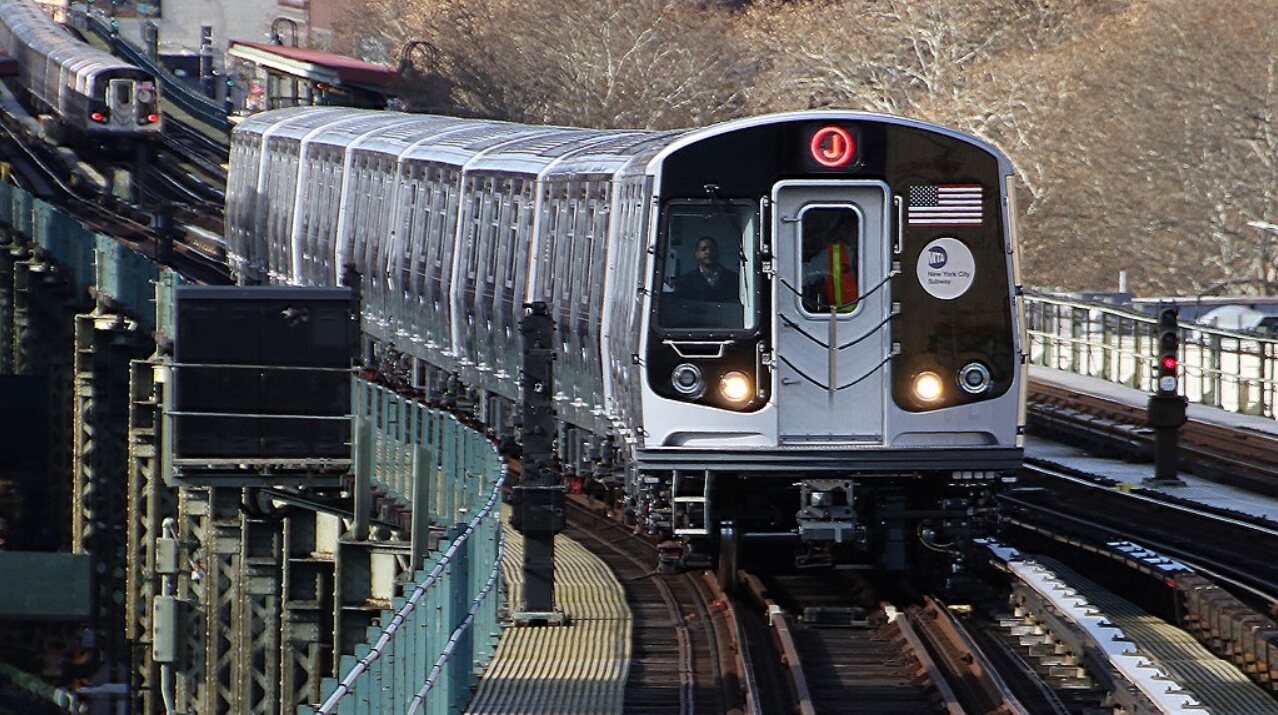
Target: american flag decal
column 945, row 205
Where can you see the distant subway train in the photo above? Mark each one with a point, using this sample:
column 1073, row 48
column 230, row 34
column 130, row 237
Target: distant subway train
column 801, row 327
column 88, row 91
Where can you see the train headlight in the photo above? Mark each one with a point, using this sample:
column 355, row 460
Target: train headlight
column 735, row 386
column 928, row 387
column 687, row 380
column 974, row 378
column 146, row 96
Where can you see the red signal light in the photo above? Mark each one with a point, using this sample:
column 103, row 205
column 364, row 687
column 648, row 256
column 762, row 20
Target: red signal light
column 98, row 117
column 1169, row 362
column 152, row 118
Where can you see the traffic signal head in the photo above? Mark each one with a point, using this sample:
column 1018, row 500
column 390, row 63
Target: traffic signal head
column 1168, row 349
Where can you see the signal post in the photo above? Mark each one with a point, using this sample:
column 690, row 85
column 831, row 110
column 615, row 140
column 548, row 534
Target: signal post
column 1166, row 407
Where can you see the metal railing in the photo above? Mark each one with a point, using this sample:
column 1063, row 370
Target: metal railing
column 434, row 641
column 1232, row 370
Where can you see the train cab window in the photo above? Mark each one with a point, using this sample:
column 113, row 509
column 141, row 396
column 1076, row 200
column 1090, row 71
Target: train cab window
column 709, row 267
column 830, row 243
column 122, row 92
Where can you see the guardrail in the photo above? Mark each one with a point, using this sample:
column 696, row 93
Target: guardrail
column 433, row 642
column 172, row 88
column 1232, row 370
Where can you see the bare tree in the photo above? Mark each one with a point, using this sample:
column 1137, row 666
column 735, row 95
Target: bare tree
column 605, row 63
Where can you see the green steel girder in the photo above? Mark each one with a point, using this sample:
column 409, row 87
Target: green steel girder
column 150, row 503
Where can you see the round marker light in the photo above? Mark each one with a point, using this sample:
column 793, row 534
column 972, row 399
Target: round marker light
column 98, row 117
column 687, row 381
column 152, row 118
column 928, row 386
column 735, row 386
column 974, row 378
column 1169, row 362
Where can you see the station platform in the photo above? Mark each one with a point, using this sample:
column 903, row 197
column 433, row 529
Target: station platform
column 1218, row 685
column 1196, row 489
column 579, row 668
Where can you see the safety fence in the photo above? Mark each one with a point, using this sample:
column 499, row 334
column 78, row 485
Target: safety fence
column 432, row 644
column 1232, row 370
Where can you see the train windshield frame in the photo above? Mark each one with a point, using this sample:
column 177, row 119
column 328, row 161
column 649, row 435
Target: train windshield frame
column 708, row 267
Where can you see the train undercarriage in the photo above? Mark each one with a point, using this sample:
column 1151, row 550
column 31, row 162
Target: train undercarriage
column 923, row 522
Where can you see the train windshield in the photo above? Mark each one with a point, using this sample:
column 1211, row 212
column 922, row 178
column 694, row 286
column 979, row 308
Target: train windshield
column 709, row 266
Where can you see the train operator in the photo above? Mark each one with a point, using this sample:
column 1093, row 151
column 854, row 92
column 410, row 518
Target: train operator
column 709, row 280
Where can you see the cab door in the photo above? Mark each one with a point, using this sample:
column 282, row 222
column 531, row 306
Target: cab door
column 832, row 331
column 121, row 101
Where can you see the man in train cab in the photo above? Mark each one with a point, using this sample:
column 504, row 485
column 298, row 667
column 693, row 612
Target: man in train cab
column 709, row 280
column 830, row 265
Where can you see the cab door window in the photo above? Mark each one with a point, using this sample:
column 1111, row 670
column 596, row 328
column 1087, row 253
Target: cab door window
column 830, row 245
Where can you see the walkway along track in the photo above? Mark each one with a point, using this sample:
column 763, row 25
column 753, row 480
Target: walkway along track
column 685, row 652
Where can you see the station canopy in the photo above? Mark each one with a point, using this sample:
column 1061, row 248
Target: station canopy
column 315, row 66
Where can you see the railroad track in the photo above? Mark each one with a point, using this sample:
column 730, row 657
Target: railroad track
column 1204, row 537
column 685, row 657
column 1222, row 586
column 847, row 654
column 1240, row 457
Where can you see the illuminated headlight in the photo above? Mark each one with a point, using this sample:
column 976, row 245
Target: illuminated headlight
column 974, row 378
column 687, row 381
column 735, row 387
column 928, row 386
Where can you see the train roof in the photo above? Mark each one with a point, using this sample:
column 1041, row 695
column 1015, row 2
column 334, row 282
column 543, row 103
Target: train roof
column 483, row 144
column 396, row 139
column 533, row 155
column 300, row 125
column 351, row 130
column 464, row 145
column 613, row 155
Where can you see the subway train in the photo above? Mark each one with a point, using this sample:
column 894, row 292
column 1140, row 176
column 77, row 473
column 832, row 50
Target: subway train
column 89, row 92
column 801, row 328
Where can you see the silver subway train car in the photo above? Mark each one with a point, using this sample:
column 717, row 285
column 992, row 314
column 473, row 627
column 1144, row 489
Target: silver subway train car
column 801, row 327
column 89, row 92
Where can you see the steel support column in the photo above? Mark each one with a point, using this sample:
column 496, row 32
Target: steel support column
column 308, row 620
column 150, row 502
column 43, row 309
column 257, row 615
column 194, row 589
column 8, row 257
column 104, row 345
column 221, row 554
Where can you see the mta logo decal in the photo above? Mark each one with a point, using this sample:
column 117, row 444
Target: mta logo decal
column 936, row 257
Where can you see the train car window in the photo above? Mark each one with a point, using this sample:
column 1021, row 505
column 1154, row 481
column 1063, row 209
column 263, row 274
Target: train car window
column 512, row 239
column 563, row 254
column 830, row 244
column 709, row 266
column 477, row 209
column 404, row 236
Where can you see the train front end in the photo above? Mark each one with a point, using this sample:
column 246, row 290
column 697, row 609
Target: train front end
column 122, row 101
column 832, row 352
